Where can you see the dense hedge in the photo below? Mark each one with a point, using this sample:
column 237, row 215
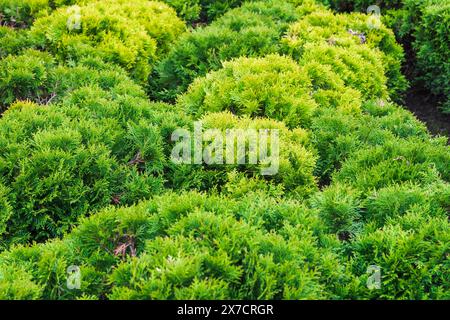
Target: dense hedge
column 36, row 76
column 192, row 246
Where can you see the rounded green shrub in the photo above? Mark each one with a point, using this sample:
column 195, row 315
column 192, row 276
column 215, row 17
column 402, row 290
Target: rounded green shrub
column 412, row 252
column 12, row 41
column 35, row 76
column 116, row 31
column 337, row 136
column 273, row 86
column 359, row 67
column 188, row 246
column 422, row 27
column 340, row 209
column 251, row 30
column 292, row 168
column 17, row 284
column 21, row 13
column 421, row 161
column 23, row 77
column 362, row 5
column 61, row 161
column 397, row 200
column 202, row 10
column 432, row 48
column 354, row 32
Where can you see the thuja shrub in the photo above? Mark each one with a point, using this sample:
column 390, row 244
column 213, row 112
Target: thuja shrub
column 5, row 207
column 432, row 49
column 116, row 31
column 398, row 200
column 292, row 168
column 251, row 30
column 36, row 76
column 21, row 13
column 362, row 5
column 23, row 76
column 12, row 41
column 186, row 246
column 354, row 32
column 339, row 207
column 358, row 66
column 202, row 10
column 412, row 251
column 273, row 86
column 61, row 161
column 420, row 25
column 418, row 160
column 336, row 136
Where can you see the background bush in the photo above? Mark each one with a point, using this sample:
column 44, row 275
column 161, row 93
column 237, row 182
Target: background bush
column 273, row 86
column 251, row 30
column 421, row 26
column 353, row 32
column 21, row 13
column 116, row 31
column 36, row 76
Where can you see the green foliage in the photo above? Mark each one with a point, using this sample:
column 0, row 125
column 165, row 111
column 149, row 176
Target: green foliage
column 362, row 5
column 21, row 13
column 433, row 51
column 251, row 30
column 23, row 77
column 355, row 33
column 336, row 136
column 17, row 284
column 293, row 168
column 421, row 25
column 12, row 41
column 339, row 208
column 116, row 31
column 86, row 177
column 202, row 10
column 273, row 86
column 413, row 253
column 188, row 246
column 397, row 161
column 61, row 161
column 35, row 76
column 397, row 200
